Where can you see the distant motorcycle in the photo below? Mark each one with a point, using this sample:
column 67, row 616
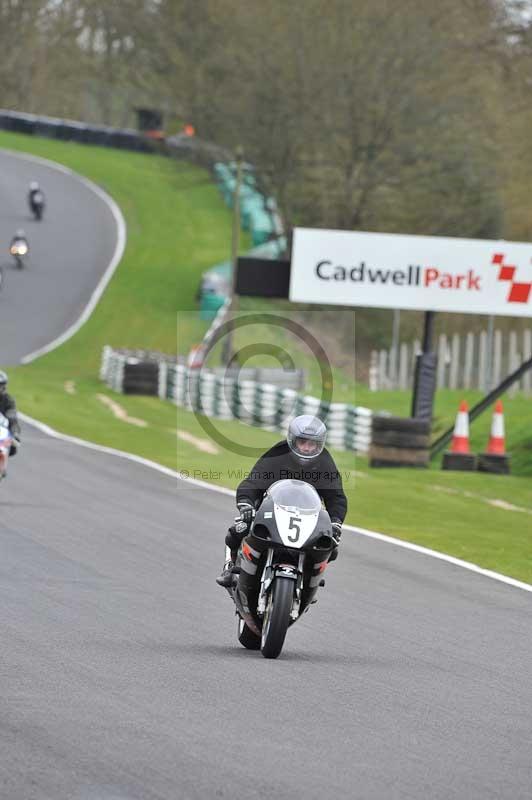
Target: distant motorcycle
column 280, row 565
column 6, row 443
column 36, row 201
column 19, row 250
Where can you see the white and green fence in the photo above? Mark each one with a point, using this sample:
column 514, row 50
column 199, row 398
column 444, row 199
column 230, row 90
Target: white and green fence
column 226, row 396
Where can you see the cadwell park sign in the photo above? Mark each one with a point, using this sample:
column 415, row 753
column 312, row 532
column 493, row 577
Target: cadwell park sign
column 384, row 270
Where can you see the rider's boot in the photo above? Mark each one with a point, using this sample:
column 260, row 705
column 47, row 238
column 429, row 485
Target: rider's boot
column 226, row 577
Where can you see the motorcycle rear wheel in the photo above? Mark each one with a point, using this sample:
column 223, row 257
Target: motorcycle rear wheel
column 246, row 637
column 277, row 617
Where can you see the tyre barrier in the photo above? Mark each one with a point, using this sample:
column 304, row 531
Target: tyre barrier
column 399, row 442
column 74, row 131
column 229, row 396
column 496, row 464
column 459, row 462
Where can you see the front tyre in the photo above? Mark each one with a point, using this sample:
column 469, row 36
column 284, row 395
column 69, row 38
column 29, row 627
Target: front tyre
column 246, row 637
column 277, row 617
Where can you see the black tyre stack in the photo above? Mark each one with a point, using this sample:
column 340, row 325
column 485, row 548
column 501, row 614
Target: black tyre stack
column 459, row 462
column 399, row 442
column 141, row 377
column 494, row 463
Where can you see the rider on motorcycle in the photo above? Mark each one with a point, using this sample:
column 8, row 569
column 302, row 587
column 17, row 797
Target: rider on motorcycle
column 19, row 238
column 35, row 189
column 301, row 456
column 9, row 409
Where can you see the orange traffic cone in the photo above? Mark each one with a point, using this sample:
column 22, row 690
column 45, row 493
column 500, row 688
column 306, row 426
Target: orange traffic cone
column 460, row 443
column 459, row 457
column 495, row 458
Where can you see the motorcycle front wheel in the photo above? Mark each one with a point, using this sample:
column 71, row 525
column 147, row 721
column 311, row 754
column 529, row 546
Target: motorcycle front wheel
column 277, row 617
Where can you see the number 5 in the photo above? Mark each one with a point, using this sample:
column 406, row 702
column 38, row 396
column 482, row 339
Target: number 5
column 295, row 527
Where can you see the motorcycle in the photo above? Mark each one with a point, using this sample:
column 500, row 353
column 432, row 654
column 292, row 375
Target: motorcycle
column 37, row 204
column 19, row 250
column 280, row 565
column 6, row 443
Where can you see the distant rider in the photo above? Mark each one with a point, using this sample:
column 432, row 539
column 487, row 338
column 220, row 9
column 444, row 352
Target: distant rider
column 19, row 238
column 301, row 456
column 35, row 196
column 9, row 409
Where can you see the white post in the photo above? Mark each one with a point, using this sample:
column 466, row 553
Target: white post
column 468, row 364
column 497, row 358
column 374, row 371
column 394, row 353
column 514, row 362
column 482, row 352
column 527, row 353
column 455, row 361
column 403, row 367
column 383, row 357
column 489, row 356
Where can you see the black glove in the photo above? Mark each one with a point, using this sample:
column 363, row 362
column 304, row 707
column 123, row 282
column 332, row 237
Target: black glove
column 336, row 530
column 247, row 511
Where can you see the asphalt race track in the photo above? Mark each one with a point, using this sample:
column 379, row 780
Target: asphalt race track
column 121, row 677
column 69, row 252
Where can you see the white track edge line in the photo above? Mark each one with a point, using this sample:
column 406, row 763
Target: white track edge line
column 229, row 492
column 458, row 562
column 107, row 275
column 100, row 448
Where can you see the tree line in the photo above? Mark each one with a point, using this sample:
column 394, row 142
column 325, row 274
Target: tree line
column 363, row 114
column 378, row 115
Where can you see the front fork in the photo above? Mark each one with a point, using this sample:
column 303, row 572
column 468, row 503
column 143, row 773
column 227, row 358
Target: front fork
column 288, row 571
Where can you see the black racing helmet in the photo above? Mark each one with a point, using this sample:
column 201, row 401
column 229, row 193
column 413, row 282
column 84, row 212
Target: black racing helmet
column 306, row 438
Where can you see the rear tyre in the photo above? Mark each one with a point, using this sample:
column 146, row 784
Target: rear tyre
column 277, row 617
column 246, row 637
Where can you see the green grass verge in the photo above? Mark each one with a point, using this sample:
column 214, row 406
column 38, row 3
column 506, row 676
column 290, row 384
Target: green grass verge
column 177, row 227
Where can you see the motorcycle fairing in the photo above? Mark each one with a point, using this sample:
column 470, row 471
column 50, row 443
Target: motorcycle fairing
column 293, row 528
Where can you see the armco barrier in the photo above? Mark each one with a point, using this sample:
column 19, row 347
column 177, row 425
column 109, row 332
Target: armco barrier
column 74, row 131
column 228, row 396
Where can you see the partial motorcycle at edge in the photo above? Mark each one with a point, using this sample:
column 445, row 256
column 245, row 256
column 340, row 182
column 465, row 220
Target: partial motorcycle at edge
column 6, row 444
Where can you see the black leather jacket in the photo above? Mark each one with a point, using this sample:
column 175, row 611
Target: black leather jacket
column 9, row 409
column 278, row 463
